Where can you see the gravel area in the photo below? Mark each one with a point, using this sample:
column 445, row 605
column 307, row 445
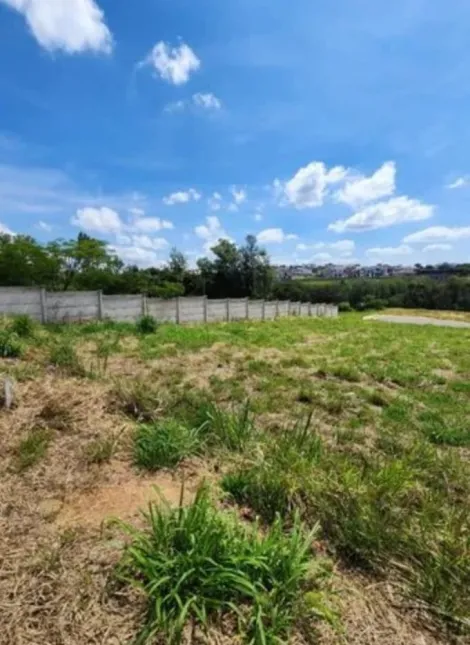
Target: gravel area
column 420, row 320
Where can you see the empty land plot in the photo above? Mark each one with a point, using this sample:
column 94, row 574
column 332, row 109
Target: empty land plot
column 315, row 474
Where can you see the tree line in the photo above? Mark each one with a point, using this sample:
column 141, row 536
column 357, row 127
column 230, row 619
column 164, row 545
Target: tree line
column 231, row 270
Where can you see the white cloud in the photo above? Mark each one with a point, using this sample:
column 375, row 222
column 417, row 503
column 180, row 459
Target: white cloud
column 258, row 217
column 239, row 195
column 44, row 226
column 136, row 212
column 4, row 230
column 173, row 64
column 274, row 236
column 232, row 208
column 137, row 255
column 107, row 221
column 211, row 232
column 207, row 101
column 214, row 202
column 361, row 190
column 101, row 220
column 460, row 182
column 308, row 187
column 343, row 247
column 389, row 251
column 146, row 242
column 397, row 210
column 175, row 106
column 182, row 197
column 150, row 224
column 437, row 234
column 438, row 247
column 73, row 26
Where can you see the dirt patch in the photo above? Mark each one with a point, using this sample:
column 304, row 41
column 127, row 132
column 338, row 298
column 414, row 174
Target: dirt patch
column 124, row 497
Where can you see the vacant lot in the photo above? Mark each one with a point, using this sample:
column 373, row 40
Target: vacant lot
column 336, row 497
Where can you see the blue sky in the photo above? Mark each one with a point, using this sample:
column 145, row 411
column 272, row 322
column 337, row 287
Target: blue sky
column 335, row 131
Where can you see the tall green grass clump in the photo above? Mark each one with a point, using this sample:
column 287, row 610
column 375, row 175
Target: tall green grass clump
column 33, row 448
column 23, row 325
column 164, row 444
column 10, row 344
column 234, row 430
column 64, row 356
column 197, row 565
column 146, row 325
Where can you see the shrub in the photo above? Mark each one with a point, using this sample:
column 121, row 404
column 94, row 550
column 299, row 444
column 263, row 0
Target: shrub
column 64, row 356
column 23, row 325
column 197, row 564
column 344, row 307
column 10, row 344
column 165, row 444
column 146, row 325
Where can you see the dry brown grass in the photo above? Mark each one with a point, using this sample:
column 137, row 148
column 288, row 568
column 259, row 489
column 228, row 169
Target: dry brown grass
column 463, row 316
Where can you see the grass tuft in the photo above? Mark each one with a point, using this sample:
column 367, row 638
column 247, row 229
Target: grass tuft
column 32, row 449
column 23, row 326
column 64, row 356
column 10, row 344
column 164, row 444
column 196, row 565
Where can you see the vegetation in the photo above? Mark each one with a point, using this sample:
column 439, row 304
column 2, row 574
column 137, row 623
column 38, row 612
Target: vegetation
column 345, row 437
column 10, row 344
column 147, row 325
column 196, row 564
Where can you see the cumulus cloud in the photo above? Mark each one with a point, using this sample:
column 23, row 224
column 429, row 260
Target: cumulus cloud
column 107, row 221
column 4, row 230
column 182, row 197
column 460, row 182
column 437, row 234
column 258, row 217
column 173, row 64
column 438, row 247
column 308, row 187
column 274, row 236
column 211, row 232
column 137, row 255
column 397, row 210
column 207, row 101
column 239, row 195
column 389, row 251
column 322, row 257
column 100, row 220
column 73, row 26
column 360, row 190
column 44, row 226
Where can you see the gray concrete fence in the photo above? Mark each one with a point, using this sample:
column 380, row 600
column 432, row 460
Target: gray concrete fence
column 79, row 306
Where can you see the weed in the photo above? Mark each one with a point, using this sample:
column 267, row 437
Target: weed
column 196, row 564
column 377, row 398
column 346, row 373
column 23, row 326
column 99, row 451
column 233, row 430
column 146, row 325
column 10, row 344
column 437, row 430
column 32, row 448
column 64, row 356
column 165, row 444
column 105, row 346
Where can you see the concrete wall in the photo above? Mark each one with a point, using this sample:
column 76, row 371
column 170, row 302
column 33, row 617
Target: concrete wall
column 76, row 306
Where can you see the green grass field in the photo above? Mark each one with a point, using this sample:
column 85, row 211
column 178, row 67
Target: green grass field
column 300, row 458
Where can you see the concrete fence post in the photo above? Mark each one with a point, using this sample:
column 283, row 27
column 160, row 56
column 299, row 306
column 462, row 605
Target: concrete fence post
column 177, row 316
column 310, row 309
column 227, row 309
column 263, row 309
column 100, row 304
column 247, row 308
column 288, row 308
column 43, row 298
column 144, row 304
column 204, row 308
column 277, row 309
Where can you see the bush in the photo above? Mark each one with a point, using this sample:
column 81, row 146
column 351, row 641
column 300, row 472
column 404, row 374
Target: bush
column 23, row 325
column 196, row 564
column 165, row 444
column 10, row 344
column 344, row 307
column 64, row 356
column 370, row 302
column 147, row 325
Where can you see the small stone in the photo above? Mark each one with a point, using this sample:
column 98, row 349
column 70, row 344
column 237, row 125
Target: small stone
column 49, row 508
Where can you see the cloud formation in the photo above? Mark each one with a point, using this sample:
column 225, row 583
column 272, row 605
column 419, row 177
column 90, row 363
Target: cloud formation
column 73, row 26
column 437, row 234
column 362, row 190
column 308, row 187
column 274, row 236
column 397, row 210
column 173, row 64
column 182, row 197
